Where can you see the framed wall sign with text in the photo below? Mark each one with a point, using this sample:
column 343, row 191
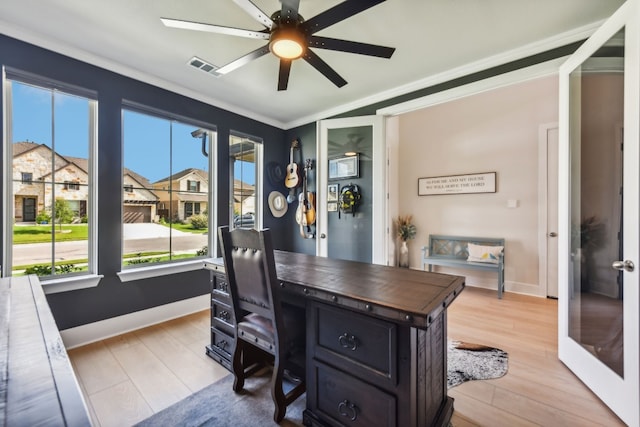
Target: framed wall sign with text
column 457, row 184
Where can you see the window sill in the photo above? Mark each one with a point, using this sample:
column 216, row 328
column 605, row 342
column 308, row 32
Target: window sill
column 140, row 273
column 54, row 286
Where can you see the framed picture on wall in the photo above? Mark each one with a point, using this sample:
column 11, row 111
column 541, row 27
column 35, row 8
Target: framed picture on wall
column 332, row 193
column 332, row 207
column 344, row 167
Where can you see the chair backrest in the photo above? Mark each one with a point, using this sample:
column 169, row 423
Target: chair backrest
column 251, row 271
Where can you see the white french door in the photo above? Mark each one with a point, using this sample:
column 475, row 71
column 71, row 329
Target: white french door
column 362, row 235
column 599, row 215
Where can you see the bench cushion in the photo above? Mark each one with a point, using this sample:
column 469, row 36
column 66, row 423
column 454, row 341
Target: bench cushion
column 481, row 253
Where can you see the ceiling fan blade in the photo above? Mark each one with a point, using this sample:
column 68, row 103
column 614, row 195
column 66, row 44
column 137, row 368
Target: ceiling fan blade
column 255, row 12
column 243, row 60
column 337, row 13
column 324, row 68
column 283, row 74
column 219, row 29
column 290, row 10
column 351, row 47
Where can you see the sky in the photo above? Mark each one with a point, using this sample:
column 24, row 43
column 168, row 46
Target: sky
column 154, row 148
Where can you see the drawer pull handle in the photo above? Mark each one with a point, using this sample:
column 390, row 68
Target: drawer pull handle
column 348, row 410
column 348, row 341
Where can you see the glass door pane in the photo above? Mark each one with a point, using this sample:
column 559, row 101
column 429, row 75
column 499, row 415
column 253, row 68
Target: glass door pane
column 597, row 121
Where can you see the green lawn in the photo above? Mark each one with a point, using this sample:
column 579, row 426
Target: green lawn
column 43, row 233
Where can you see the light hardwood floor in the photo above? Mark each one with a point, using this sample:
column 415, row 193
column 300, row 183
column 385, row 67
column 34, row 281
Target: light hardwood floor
column 127, row 378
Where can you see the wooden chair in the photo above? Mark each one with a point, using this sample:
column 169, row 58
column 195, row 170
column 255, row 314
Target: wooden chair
column 267, row 330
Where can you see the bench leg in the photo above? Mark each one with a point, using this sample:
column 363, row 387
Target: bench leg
column 500, row 283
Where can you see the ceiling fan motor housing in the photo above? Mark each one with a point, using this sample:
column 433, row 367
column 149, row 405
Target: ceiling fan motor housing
column 287, row 40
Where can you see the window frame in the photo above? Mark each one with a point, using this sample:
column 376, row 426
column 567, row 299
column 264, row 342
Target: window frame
column 62, row 282
column 258, row 186
column 139, row 272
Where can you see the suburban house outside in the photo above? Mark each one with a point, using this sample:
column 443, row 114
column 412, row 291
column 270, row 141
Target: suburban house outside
column 140, row 204
column 244, row 201
column 176, row 197
column 34, row 191
column 182, row 194
column 33, row 186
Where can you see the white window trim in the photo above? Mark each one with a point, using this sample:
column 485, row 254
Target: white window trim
column 53, row 284
column 70, row 283
column 133, row 273
column 259, row 171
column 139, row 273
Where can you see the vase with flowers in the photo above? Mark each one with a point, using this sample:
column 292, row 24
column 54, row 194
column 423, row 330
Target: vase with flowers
column 406, row 231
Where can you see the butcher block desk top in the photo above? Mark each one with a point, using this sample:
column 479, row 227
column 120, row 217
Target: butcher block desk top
column 411, row 297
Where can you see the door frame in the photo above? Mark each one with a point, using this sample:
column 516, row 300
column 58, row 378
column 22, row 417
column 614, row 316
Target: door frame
column 379, row 235
column 543, row 205
column 620, row 394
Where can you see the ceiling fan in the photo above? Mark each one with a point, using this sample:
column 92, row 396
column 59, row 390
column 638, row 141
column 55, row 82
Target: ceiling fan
column 291, row 37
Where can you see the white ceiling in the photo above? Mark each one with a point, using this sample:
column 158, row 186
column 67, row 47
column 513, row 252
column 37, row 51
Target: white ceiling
column 434, row 40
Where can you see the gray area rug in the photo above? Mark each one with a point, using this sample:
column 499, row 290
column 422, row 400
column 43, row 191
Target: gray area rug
column 218, row 406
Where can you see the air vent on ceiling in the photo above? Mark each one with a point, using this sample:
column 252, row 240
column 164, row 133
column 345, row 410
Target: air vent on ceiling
column 203, row 65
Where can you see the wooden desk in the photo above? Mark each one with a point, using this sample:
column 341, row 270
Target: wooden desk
column 376, row 339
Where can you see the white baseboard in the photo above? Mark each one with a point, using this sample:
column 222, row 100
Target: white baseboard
column 514, row 287
column 488, row 280
column 92, row 332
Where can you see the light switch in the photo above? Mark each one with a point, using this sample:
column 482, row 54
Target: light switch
column 512, row 203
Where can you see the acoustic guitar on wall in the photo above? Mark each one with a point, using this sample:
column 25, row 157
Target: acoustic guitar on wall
column 306, row 212
column 292, row 179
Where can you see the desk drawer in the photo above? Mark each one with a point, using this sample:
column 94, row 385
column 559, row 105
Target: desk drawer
column 220, row 283
column 343, row 337
column 223, row 297
column 345, row 400
column 221, row 342
column 222, row 317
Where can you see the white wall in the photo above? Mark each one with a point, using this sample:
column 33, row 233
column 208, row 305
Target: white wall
column 494, row 131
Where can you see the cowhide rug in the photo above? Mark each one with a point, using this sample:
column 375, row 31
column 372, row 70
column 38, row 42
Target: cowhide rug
column 468, row 361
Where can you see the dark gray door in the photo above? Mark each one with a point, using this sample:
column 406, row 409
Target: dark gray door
column 29, row 209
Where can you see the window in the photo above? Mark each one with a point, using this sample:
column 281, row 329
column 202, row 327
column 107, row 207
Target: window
column 245, row 156
column 51, row 132
column 166, row 193
column 72, row 186
column 191, row 208
column 193, row 186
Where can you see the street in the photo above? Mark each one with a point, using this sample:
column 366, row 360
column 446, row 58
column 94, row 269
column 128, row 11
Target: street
column 146, row 237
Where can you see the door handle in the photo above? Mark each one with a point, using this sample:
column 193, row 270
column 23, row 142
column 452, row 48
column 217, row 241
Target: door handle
column 553, row 234
column 623, row 265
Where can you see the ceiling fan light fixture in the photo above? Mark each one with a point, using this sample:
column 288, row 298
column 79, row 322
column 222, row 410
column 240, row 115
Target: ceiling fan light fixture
column 287, row 43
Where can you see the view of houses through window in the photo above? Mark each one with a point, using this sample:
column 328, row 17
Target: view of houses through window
column 51, row 133
column 245, row 157
column 166, row 177
column 165, row 182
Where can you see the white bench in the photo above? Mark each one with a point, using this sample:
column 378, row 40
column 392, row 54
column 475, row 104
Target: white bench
column 452, row 251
